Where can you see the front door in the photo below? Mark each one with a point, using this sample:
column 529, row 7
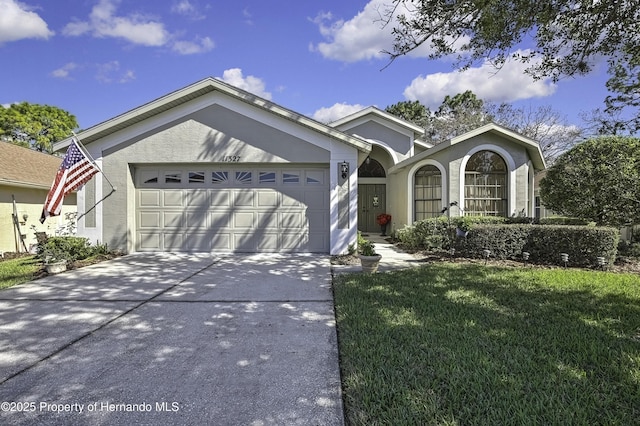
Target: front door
column 371, row 202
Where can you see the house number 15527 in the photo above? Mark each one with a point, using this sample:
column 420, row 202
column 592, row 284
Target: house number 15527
column 231, row 158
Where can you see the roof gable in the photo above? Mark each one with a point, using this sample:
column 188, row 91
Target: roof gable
column 383, row 117
column 22, row 166
column 196, row 90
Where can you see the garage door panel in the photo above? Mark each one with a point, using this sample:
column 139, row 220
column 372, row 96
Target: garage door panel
column 267, row 220
column 221, row 242
column 257, row 209
column 268, row 241
column 220, row 198
column 172, row 219
column 149, row 198
column 196, row 219
column 292, row 220
column 294, row 241
column 219, row 220
column 243, row 220
column 292, row 198
column 198, row 241
column 197, row 198
column 173, row 198
column 244, row 198
column 149, row 219
column 173, row 241
column 149, row 241
column 267, row 198
column 315, row 200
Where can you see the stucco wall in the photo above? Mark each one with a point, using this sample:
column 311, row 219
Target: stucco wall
column 207, row 136
column 29, row 201
column 399, row 142
column 451, row 159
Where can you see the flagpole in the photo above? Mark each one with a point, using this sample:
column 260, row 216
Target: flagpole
column 86, row 153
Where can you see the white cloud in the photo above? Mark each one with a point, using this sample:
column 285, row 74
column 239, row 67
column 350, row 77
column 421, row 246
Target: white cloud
column 188, row 10
column 249, row 83
column 508, row 84
column 360, row 38
column 110, row 72
column 201, row 45
column 135, row 28
column 336, row 112
column 18, row 22
column 65, row 70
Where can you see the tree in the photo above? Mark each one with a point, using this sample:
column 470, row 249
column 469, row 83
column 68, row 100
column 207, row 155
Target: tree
column 568, row 37
column 597, row 180
column 412, row 111
column 35, row 126
column 457, row 115
column 543, row 124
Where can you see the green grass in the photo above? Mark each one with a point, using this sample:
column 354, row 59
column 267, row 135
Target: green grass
column 17, row 271
column 454, row 344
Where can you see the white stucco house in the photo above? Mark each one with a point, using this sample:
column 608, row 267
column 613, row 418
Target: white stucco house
column 214, row 168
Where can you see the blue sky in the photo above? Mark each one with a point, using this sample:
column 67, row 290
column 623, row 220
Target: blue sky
column 100, row 58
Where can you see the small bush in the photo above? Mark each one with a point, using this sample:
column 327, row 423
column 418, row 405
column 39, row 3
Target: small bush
column 562, row 220
column 69, row 249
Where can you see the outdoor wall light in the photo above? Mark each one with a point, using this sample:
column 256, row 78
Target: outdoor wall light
column 25, row 216
column 344, row 169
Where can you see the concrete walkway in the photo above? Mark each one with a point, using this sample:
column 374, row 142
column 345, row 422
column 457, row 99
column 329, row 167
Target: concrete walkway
column 173, row 339
column 392, row 257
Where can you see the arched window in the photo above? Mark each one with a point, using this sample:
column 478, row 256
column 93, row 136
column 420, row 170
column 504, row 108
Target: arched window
column 485, row 185
column 371, row 168
column 427, row 192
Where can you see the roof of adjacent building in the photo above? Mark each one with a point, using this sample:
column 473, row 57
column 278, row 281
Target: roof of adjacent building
column 21, row 166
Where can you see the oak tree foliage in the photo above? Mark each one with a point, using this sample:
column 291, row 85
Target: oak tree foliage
column 565, row 38
column 597, row 180
column 35, row 126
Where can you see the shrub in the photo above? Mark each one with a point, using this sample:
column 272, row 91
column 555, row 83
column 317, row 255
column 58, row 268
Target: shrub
column 583, row 244
column 563, row 220
column 69, row 249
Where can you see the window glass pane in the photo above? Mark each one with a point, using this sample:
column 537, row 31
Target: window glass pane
column 172, row 177
column 243, row 177
column 219, row 177
column 149, row 176
column 196, row 177
column 267, row 177
column 427, row 192
column 291, row 177
column 485, row 187
column 315, row 177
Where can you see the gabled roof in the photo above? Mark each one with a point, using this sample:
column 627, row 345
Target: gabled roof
column 25, row 167
column 196, row 90
column 532, row 147
column 374, row 112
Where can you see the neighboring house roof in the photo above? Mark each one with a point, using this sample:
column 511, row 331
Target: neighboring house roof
column 532, row 147
column 25, row 167
column 194, row 91
column 376, row 112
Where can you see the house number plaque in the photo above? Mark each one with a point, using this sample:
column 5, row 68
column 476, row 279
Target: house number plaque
column 231, row 159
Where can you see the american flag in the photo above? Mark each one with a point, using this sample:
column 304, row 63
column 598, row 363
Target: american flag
column 75, row 171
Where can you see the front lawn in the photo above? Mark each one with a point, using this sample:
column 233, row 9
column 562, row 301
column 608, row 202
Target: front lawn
column 19, row 270
column 462, row 344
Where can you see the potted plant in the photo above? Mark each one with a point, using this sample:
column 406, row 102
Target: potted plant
column 369, row 259
column 383, row 220
column 55, row 260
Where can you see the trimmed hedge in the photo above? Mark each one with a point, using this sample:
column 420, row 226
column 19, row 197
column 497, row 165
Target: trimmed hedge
column 583, row 244
column 544, row 243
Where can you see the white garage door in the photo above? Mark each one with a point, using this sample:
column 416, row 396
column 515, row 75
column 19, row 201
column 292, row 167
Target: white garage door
column 241, row 209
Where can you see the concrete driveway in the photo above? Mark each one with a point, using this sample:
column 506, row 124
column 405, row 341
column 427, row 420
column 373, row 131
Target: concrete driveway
column 153, row 339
